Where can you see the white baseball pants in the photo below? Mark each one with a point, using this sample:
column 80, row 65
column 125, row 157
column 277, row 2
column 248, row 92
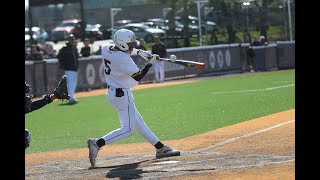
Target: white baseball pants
column 159, row 71
column 71, row 83
column 129, row 116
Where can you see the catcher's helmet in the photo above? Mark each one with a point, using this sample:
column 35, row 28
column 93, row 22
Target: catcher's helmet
column 27, row 88
column 122, row 37
column 28, row 96
column 27, row 138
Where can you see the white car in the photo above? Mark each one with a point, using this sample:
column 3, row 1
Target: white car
column 38, row 34
column 143, row 31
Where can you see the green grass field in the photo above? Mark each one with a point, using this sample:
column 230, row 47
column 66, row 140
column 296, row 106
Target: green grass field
column 171, row 112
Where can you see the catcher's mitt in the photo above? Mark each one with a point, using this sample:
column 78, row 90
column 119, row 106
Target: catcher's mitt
column 61, row 91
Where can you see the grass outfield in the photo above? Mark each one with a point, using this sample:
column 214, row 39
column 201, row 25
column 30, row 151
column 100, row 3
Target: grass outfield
column 171, row 112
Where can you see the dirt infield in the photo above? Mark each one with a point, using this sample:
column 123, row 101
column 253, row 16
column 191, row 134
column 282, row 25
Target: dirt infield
column 262, row 148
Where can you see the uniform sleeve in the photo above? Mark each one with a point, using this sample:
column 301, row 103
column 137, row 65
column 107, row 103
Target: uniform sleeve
column 61, row 54
column 104, row 49
column 39, row 103
column 130, row 66
column 134, row 51
column 139, row 75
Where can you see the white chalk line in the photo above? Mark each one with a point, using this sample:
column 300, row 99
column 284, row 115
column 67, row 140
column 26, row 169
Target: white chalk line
column 245, row 135
column 277, row 87
column 283, row 82
column 254, row 90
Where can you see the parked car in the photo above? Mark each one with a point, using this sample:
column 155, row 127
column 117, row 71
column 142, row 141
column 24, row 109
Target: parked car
column 38, row 34
column 120, row 23
column 66, row 27
column 143, row 31
column 93, row 31
column 160, row 22
column 194, row 22
column 98, row 31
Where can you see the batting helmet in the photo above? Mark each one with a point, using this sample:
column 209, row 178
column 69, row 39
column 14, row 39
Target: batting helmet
column 122, row 37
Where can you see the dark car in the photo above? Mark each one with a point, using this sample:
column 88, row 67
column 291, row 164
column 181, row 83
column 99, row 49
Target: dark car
column 98, row 31
column 160, row 23
column 65, row 28
column 163, row 24
column 120, row 23
column 194, row 24
column 93, row 31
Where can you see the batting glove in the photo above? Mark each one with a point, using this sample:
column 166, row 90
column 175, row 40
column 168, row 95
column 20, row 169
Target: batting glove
column 144, row 54
column 154, row 58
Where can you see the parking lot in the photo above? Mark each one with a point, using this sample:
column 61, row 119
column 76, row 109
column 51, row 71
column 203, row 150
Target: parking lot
column 94, row 46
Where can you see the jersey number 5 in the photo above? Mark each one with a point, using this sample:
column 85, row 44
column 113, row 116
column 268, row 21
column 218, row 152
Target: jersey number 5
column 106, row 62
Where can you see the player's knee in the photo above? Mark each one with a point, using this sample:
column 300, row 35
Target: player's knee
column 27, row 138
column 129, row 131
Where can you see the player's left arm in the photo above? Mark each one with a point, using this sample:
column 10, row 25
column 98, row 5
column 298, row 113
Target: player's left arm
column 141, row 73
column 146, row 55
column 133, row 70
column 37, row 104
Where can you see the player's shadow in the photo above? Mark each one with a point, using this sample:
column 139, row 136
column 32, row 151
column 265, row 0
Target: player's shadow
column 67, row 104
column 125, row 171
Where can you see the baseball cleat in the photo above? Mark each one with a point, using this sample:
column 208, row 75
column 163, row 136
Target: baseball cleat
column 166, row 151
column 93, row 150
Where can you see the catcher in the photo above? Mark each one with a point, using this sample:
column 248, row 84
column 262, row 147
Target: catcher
column 60, row 92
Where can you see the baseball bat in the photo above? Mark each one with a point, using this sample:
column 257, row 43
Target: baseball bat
column 191, row 64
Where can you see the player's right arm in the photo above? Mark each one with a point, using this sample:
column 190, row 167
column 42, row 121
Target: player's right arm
column 60, row 57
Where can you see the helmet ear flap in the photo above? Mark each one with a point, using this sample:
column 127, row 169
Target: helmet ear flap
column 124, row 46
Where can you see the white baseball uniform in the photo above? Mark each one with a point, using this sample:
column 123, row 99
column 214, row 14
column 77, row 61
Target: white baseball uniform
column 119, row 67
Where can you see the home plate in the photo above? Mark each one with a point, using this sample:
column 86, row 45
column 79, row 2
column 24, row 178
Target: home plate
column 166, row 162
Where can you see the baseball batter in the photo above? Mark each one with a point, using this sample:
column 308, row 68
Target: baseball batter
column 121, row 75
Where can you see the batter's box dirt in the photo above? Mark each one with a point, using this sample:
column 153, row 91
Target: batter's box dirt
column 145, row 166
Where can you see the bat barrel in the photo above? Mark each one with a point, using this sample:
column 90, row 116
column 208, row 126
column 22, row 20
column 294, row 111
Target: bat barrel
column 191, row 64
